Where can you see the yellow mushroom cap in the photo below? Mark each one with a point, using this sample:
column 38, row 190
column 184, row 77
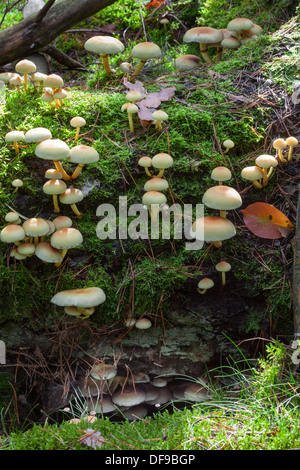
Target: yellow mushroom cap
column 223, row 267
column 221, row 173
column 12, row 233
column 35, row 227
column 266, row 161
column 66, row 238
column 146, row 50
column 83, row 154
column 16, row 80
column 53, row 174
column 25, row 66
column 203, row 35
column 228, row 143
column 160, row 115
column 54, row 186
column 143, row 324
column 222, row 198
column 187, row 62
column 162, row 161
column 156, row 184
column 132, row 108
column 53, row 81
column 60, row 94
column 52, row 149
column 38, row 77
column 84, row 298
column 291, row 141
column 145, row 162
column 6, row 76
column 212, row 229
column 11, row 217
column 62, row 221
column 206, row 283
column 104, row 45
column 78, row 121
column 279, row 144
column 47, row 97
column 46, row 252
column 38, row 134
column 133, row 96
column 71, row 196
column 154, row 197
column 26, row 248
column 17, row 183
column 252, row 173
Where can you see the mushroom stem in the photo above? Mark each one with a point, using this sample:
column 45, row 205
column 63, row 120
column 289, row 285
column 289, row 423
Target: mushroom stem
column 55, row 203
column 106, row 63
column 270, row 172
column 154, row 210
column 76, row 172
column 148, row 172
column 130, row 119
column 217, row 244
column 64, row 252
column 161, row 172
column 257, row 184
column 201, row 291
column 223, row 278
column 57, row 103
column 36, row 240
column 281, row 158
column 219, row 54
column 223, row 214
column 290, row 154
column 77, row 133
column 138, row 69
column 75, row 210
column 60, row 168
column 16, row 147
column 205, row 55
column 158, row 125
column 265, row 177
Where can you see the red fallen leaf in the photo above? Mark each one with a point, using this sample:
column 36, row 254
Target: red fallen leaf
column 265, row 221
column 155, row 3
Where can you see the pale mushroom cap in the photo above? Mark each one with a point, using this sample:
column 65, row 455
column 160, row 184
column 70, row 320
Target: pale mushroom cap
column 266, row 161
column 125, row 67
column 159, row 382
column 104, row 45
column 291, row 141
column 221, row 173
column 16, row 80
column 252, row 173
column 18, row 255
column 62, row 221
column 38, row 134
column 51, row 227
column 222, row 198
column 143, row 324
column 38, row 77
column 101, row 404
column 60, row 94
column 160, row 115
column 136, row 412
column 240, row 24
column 187, row 62
column 11, row 217
column 53, row 81
column 156, row 184
column 203, row 35
column 279, row 144
column 71, row 196
column 145, row 162
column 146, row 50
column 154, row 197
column 35, row 227
column 66, row 238
column 53, row 174
column 128, row 396
column 84, row 298
column 230, row 43
column 83, row 154
column 12, row 233
column 17, row 183
column 5, row 76
column 46, row 252
column 162, row 161
column 78, row 121
column 103, row 371
column 134, row 95
column 54, row 187
column 52, row 149
column 164, row 395
column 26, row 248
column 205, row 283
column 25, row 66
column 223, row 267
column 195, row 392
column 212, row 229
column 14, row 136
column 256, row 30
column 228, row 143
column 132, row 108
column 47, row 97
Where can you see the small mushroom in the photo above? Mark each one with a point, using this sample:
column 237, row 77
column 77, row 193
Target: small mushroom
column 212, row 229
column 77, row 122
column 266, row 162
column 144, row 51
column 16, row 82
column 279, row 145
column 125, row 67
column 12, row 233
column 26, row 67
column 72, row 196
column 13, row 218
column 205, row 284
column 156, row 184
column 37, row 134
column 143, row 324
column 104, row 45
column 153, row 200
column 254, row 174
column 228, row 144
column 240, row 26
column 83, row 299
column 62, row 221
column 47, row 253
column 204, row 36
column 53, row 81
column 65, row 239
column 291, row 142
column 146, row 163
column 55, row 150
column 37, row 79
column 35, row 228
column 133, row 96
column 162, row 161
column 131, row 110
column 221, row 174
column 222, row 198
column 159, row 116
column 59, row 96
column 15, row 137
column 54, row 187
column 17, row 183
column 187, row 62
column 82, row 155
column 223, row 267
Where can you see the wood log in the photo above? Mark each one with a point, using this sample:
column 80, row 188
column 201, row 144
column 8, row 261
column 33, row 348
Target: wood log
column 37, row 31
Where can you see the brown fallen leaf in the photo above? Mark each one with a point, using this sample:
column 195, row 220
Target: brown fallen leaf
column 92, row 438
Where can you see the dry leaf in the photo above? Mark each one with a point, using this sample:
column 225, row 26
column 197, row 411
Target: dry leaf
column 92, row 438
column 238, row 98
column 265, row 221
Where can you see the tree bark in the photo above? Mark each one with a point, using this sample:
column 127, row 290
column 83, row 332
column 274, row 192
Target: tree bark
column 37, row 31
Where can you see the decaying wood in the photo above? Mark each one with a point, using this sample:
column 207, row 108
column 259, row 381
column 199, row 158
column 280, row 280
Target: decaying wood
column 296, row 273
column 37, row 31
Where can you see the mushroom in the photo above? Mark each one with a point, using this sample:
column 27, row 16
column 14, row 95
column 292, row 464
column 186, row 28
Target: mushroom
column 55, row 187
column 143, row 324
column 156, row 184
column 228, row 144
column 129, row 396
column 162, row 161
column 82, row 155
column 26, row 249
column 12, row 233
column 55, row 150
column 62, row 221
column 205, row 284
column 65, row 239
column 35, row 228
column 153, row 199
column 53, row 81
column 222, row 198
column 15, row 137
column 266, row 162
column 133, row 96
column 223, row 267
column 16, row 82
column 144, row 51
column 146, row 163
column 164, row 22
column 59, row 96
column 47, row 253
column 77, row 122
column 37, row 79
column 37, row 134
column 12, row 217
column 291, row 142
column 83, row 299
column 220, row 174
column 159, row 116
column 213, row 229
column 125, row 67
column 187, row 62
column 103, row 371
column 25, row 66
column 104, row 45
column 240, row 26
column 131, row 109
column 204, row 35
column 17, row 183
column 47, row 97
column 254, row 174
column 71, row 196
column 136, row 412
column 279, row 145
column 53, row 174
column 195, row 392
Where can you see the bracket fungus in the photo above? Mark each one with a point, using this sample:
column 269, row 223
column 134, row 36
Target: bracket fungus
column 253, row 174
column 205, row 284
column 55, row 150
column 222, row 198
column 82, row 155
column 205, row 36
column 14, row 137
column 64, row 239
column 77, row 122
column 104, row 45
column 84, row 300
column 144, row 51
column 223, row 267
column 212, row 229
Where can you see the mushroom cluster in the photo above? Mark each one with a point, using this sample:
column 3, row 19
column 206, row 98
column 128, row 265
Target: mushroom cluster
column 260, row 173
